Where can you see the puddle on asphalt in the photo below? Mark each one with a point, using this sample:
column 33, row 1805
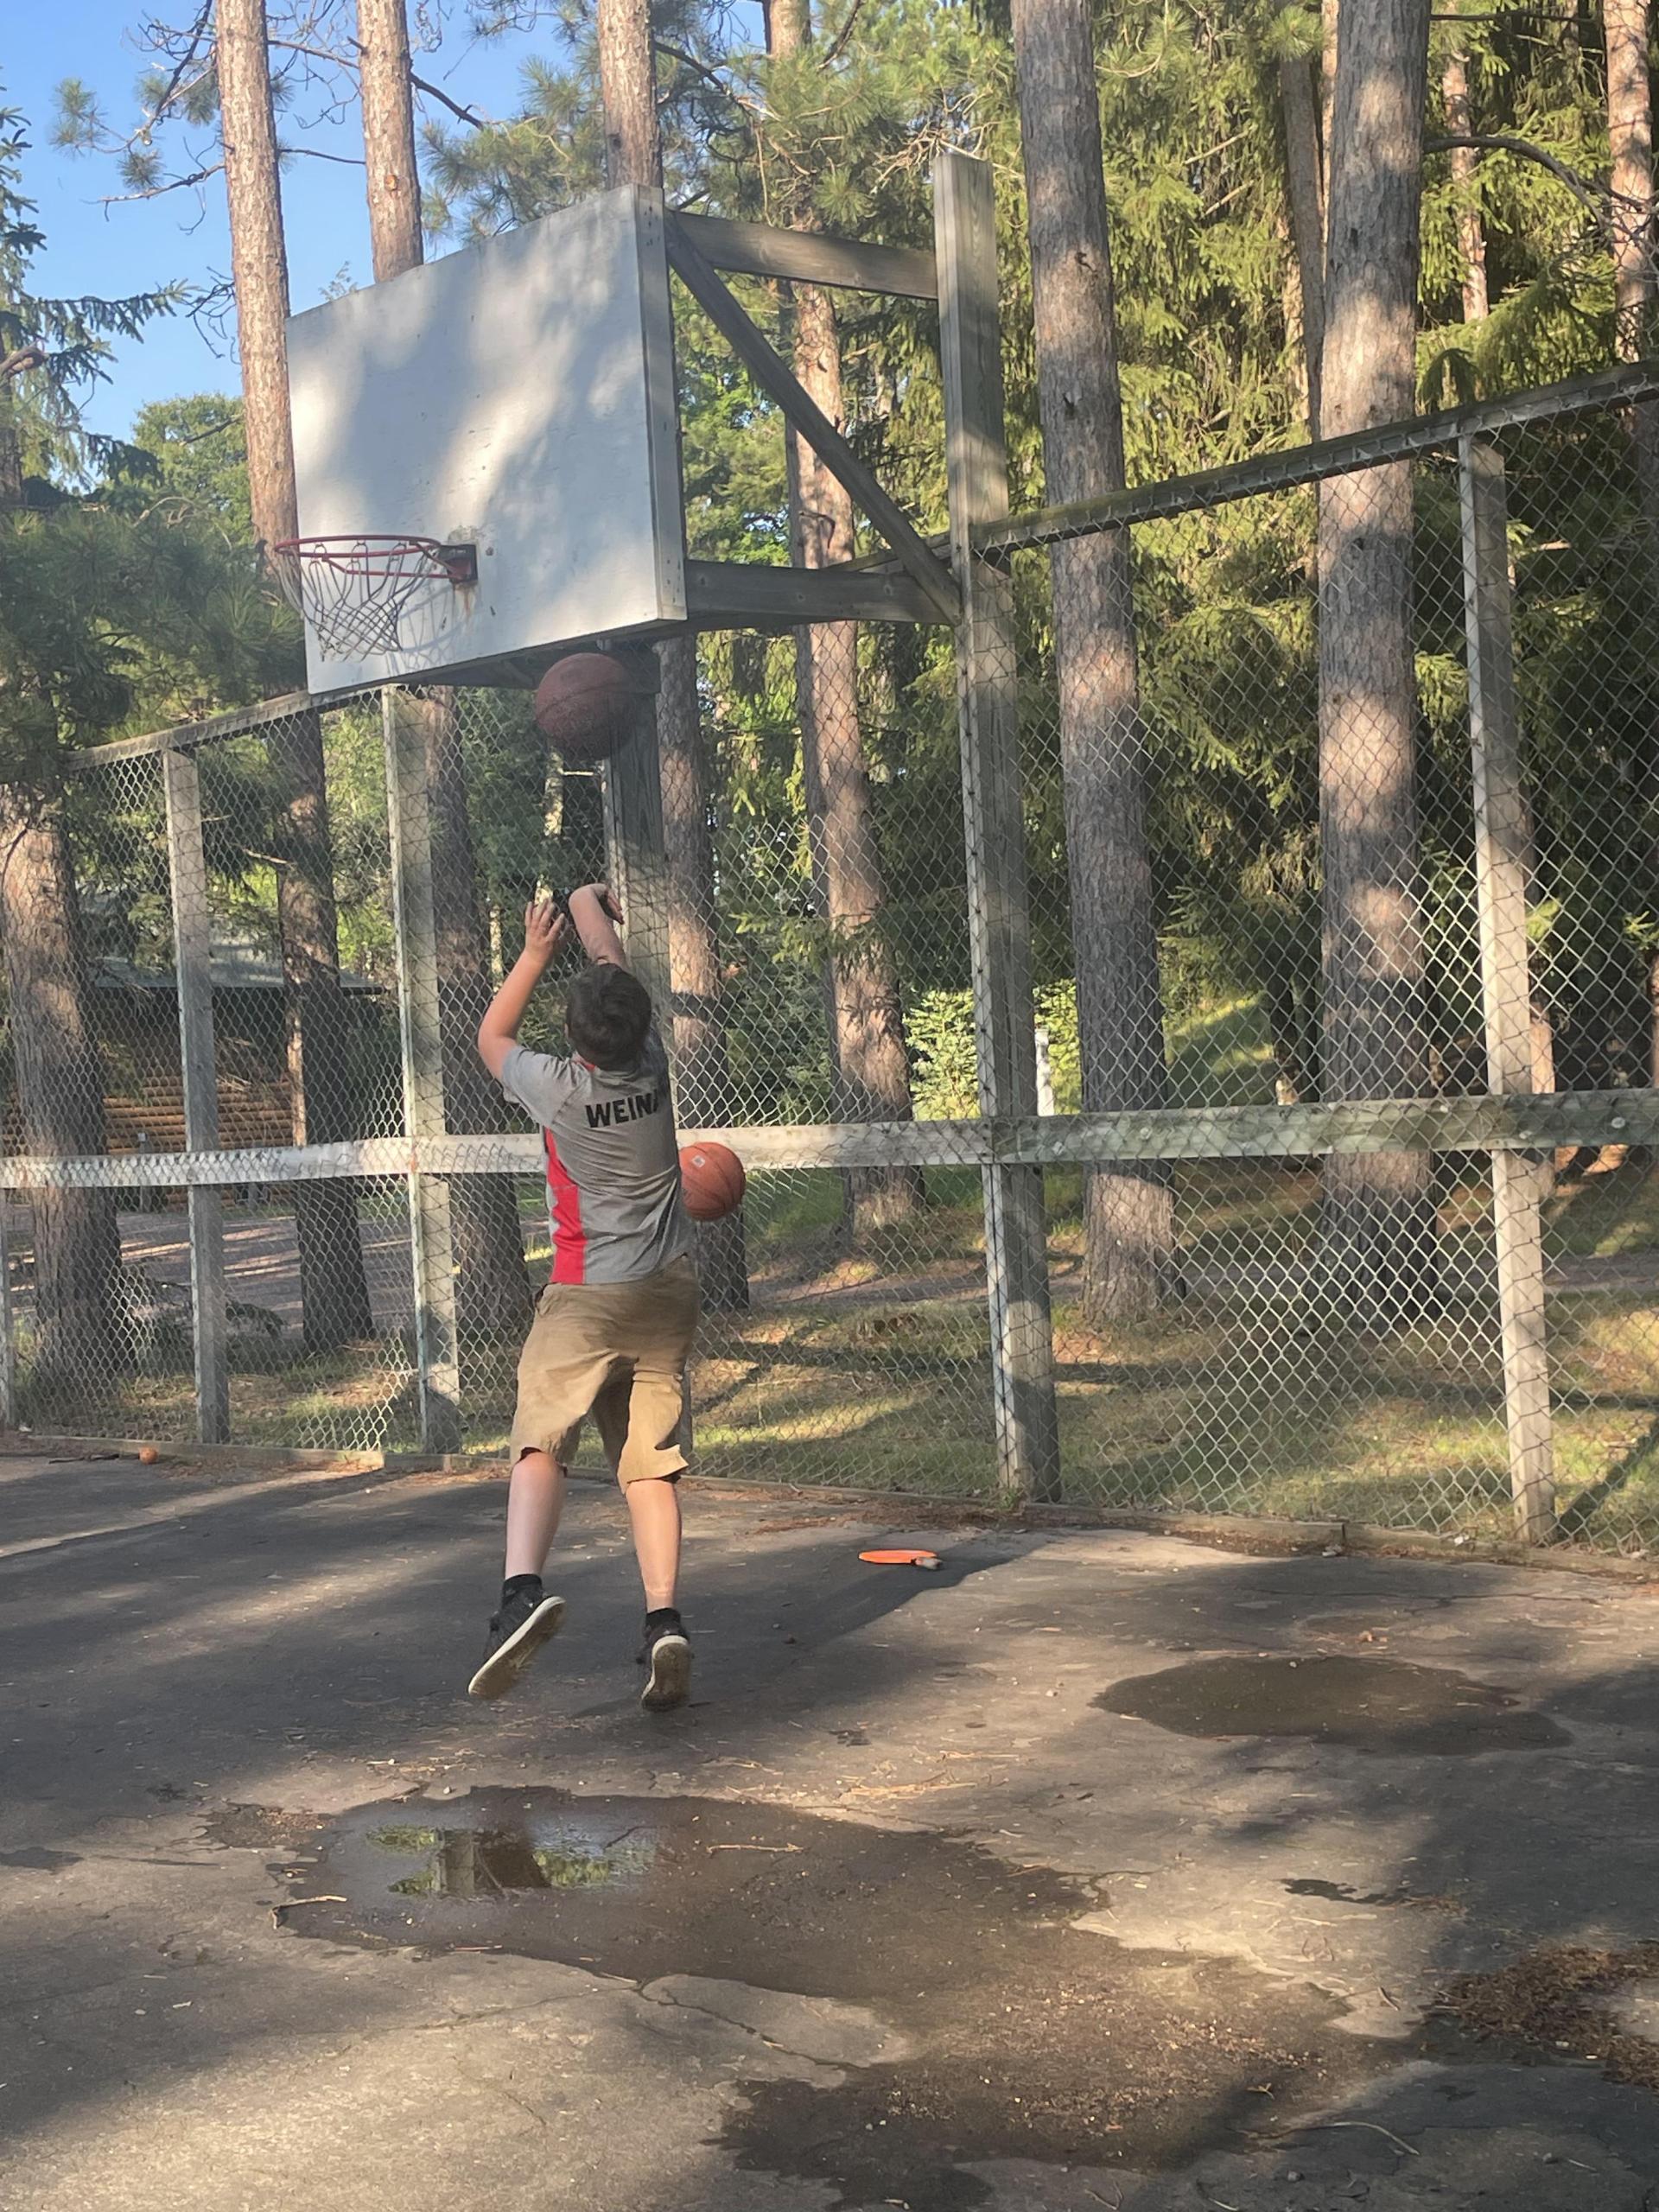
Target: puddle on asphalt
column 643, row 1887
column 1368, row 1705
column 1345, row 1893
column 495, row 1863
column 1026, row 2037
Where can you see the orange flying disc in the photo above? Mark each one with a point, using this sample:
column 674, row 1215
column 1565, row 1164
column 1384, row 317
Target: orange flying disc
column 900, row 1559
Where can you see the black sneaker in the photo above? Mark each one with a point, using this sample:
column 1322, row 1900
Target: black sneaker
column 518, row 1633
column 667, row 1652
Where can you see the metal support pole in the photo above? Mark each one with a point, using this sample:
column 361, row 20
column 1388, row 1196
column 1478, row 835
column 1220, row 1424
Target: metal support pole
column 431, row 1236
column 8, row 1323
column 1016, row 1232
column 1501, row 840
column 192, row 961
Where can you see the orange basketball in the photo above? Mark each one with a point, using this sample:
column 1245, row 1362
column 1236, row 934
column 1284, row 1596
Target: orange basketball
column 714, row 1181
column 587, row 705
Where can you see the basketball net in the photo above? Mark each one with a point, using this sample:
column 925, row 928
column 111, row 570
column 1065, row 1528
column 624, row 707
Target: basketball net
column 355, row 591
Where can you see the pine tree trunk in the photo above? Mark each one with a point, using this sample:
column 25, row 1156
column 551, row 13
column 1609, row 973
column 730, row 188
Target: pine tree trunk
column 1476, row 305
column 627, row 78
column 1378, row 1218
column 1293, row 1039
column 869, row 1060
column 1130, row 1262
column 1472, row 232
column 1304, row 190
column 1630, row 136
column 333, row 1286
column 393, row 175
column 80, row 1341
column 633, row 155
column 492, row 1289
column 1629, row 133
column 703, row 1070
column 493, row 1295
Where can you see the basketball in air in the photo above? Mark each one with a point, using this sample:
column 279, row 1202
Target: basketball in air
column 587, row 705
column 713, row 1180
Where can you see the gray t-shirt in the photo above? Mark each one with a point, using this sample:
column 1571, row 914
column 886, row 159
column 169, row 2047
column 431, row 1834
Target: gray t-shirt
column 612, row 1162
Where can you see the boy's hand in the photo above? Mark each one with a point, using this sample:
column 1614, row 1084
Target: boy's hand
column 606, row 898
column 596, row 914
column 545, row 931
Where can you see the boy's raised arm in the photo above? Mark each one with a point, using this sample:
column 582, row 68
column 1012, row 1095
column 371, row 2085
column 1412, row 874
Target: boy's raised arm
column 545, row 929
column 596, row 914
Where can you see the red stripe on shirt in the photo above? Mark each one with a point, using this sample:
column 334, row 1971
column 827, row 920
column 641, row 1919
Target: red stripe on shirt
column 564, row 1210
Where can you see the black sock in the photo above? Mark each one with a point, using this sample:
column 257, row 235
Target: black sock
column 529, row 1585
column 664, row 1617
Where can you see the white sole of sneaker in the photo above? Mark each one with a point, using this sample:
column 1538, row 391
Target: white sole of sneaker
column 670, row 1675
column 505, row 1665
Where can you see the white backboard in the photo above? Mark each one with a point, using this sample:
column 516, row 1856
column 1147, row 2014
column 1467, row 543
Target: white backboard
column 518, row 395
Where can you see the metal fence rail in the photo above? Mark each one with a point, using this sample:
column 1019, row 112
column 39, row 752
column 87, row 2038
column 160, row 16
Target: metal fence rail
column 1194, row 1049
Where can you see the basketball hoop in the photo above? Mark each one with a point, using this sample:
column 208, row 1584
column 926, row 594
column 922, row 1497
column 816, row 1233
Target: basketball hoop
column 353, row 591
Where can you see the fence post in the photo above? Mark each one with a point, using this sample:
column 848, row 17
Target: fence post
column 8, row 1321
column 1501, row 840
column 420, row 1023
column 1016, row 1229
column 192, row 961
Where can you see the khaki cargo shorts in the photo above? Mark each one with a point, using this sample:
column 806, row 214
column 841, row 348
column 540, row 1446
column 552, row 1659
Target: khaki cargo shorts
column 616, row 1351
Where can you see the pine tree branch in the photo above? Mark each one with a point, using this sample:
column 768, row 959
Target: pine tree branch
column 456, row 108
column 156, row 191
column 197, row 32
column 837, row 45
column 1593, row 195
column 421, row 85
column 316, row 154
column 689, row 61
column 1617, row 213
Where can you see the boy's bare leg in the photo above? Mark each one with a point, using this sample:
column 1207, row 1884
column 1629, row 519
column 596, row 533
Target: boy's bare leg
column 654, row 1512
column 527, row 1616
column 535, row 1500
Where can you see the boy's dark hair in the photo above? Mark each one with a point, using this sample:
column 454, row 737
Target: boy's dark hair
column 607, row 1014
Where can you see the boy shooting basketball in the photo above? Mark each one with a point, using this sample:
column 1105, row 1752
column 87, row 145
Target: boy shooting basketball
column 613, row 1328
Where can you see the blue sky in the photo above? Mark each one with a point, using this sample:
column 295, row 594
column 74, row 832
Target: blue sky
column 119, row 250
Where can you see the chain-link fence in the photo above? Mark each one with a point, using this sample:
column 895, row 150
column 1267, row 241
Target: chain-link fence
column 1191, row 1033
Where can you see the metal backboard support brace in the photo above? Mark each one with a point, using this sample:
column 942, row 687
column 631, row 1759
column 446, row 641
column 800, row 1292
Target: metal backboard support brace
column 754, row 349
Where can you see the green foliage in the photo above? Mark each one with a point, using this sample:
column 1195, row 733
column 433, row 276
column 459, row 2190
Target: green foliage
column 111, row 621
column 940, row 1028
column 40, row 409
column 201, row 459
